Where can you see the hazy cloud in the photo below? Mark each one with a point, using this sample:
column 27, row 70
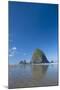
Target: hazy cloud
column 10, row 55
column 14, row 48
column 12, row 51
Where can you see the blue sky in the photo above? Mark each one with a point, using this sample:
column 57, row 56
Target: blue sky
column 32, row 26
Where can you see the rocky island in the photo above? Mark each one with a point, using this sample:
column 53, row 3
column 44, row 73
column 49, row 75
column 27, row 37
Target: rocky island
column 39, row 57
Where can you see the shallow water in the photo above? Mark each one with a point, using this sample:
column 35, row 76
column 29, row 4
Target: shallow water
column 33, row 75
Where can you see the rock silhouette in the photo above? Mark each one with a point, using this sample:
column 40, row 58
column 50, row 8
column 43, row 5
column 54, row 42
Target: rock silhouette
column 39, row 57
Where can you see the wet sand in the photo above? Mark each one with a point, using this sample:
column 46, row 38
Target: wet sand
column 23, row 76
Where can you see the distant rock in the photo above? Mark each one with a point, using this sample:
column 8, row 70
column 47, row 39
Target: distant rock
column 23, row 62
column 39, row 57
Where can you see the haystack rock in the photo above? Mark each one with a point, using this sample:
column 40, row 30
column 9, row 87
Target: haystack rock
column 39, row 57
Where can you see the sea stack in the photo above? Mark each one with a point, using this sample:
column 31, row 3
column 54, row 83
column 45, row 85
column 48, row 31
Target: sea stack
column 39, row 57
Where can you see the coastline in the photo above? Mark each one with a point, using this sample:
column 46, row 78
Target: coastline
column 33, row 64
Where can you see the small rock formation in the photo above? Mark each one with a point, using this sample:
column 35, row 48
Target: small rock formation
column 39, row 57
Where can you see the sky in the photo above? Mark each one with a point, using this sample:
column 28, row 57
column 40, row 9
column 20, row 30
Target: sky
column 32, row 26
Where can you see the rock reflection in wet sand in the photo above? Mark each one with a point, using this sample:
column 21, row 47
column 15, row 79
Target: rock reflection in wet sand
column 38, row 71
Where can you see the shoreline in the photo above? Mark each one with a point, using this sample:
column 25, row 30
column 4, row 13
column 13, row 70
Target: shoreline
column 33, row 64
